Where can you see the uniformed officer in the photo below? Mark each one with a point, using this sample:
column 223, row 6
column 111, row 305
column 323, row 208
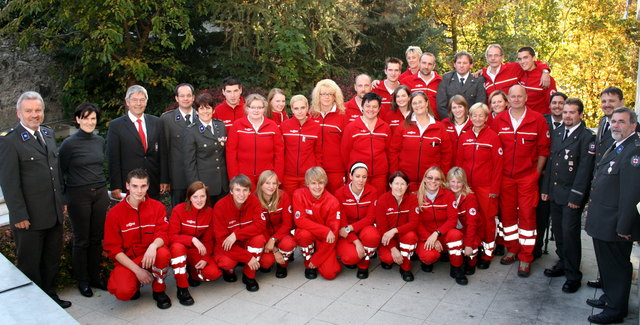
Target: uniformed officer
column 565, row 184
column 30, row 178
column 610, row 99
column 613, row 220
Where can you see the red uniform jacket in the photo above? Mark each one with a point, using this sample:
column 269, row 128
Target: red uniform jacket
column 358, row 214
column 250, row 152
column 538, row 98
column 352, row 109
column 453, row 135
column 469, row 217
column 131, row 231
column 390, row 214
column 302, row 149
column 522, row 148
column 508, row 75
column 481, row 158
column 246, row 222
column 406, row 75
column 383, row 92
column 318, row 216
column 228, row 114
column 393, row 118
column 279, row 222
column 360, row 144
column 332, row 125
column 439, row 214
column 413, row 153
column 184, row 225
column 279, row 117
column 417, row 84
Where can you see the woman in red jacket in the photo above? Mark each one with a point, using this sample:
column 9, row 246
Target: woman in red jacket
column 276, row 209
column 420, row 142
column 317, row 216
column 498, row 102
column 302, row 149
column 397, row 219
column 191, row 236
column 457, row 122
column 358, row 237
column 275, row 109
column 437, row 225
column 468, row 216
column 327, row 109
column 399, row 107
column 254, row 143
column 480, row 155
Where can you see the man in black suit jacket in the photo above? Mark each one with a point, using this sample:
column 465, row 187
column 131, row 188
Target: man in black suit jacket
column 136, row 140
column 460, row 82
column 175, row 123
column 565, row 184
column 613, row 220
column 610, row 99
column 32, row 185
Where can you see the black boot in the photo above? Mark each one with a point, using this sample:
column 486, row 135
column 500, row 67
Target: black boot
column 162, row 300
column 469, row 270
column 500, row 250
column 426, row 267
column 407, row 276
column 362, row 273
column 136, row 295
column 229, row 277
column 281, row 271
column 386, row 266
column 483, row 264
column 185, row 297
column 252, row 284
column 84, row 289
column 265, row 270
column 193, row 282
column 310, row 273
column 458, row 274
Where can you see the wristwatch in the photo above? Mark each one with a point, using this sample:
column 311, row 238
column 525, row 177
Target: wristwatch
column 347, row 229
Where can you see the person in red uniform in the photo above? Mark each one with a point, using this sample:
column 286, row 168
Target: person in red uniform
column 353, row 107
column 399, row 108
column 538, row 97
column 276, row 109
column 397, row 220
column 327, row 109
column 469, row 217
column 420, row 142
column 358, row 238
column 366, row 139
column 437, row 225
column 302, row 149
column 232, row 108
column 426, row 80
column 412, row 54
column 525, row 140
column 135, row 233
column 458, row 122
column 385, row 88
column 254, row 143
column 317, row 216
column 497, row 104
column 276, row 208
column 191, row 236
column 480, row 155
column 239, row 227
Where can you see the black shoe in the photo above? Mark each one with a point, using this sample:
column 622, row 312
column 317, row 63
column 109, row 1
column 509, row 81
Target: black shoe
column 426, row 267
column 469, row 270
column 386, row 266
column 85, row 290
column 602, row 318
column 229, row 277
column 185, row 297
column 594, row 284
column 500, row 250
column 444, row 258
column 596, row 303
column 162, row 300
column 291, row 258
column 99, row 284
column 407, row 276
column 483, row 264
column 310, row 273
column 537, row 254
column 362, row 273
column 281, row 272
column 570, row 286
column 350, row 267
column 60, row 302
column 136, row 295
column 458, row 274
column 193, row 282
column 265, row 270
column 554, row 272
column 252, row 284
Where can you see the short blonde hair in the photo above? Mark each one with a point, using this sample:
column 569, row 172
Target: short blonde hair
column 413, row 49
column 253, row 97
column 317, row 174
column 459, row 174
column 480, row 107
column 329, row 85
column 298, row 98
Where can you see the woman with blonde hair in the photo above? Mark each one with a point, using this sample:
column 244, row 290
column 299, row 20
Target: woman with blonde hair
column 277, row 101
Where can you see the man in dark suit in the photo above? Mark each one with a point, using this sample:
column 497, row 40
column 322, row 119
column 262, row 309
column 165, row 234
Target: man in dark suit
column 565, row 184
column 610, row 99
column 32, row 185
column 613, row 220
column 460, row 82
column 174, row 124
column 136, row 140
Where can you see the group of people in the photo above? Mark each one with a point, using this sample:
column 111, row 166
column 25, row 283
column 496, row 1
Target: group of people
column 454, row 168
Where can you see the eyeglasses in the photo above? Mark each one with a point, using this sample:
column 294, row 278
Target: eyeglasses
column 256, row 107
column 138, row 100
column 436, row 179
column 326, row 94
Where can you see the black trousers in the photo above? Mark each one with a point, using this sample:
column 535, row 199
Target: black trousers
column 38, row 253
column 178, row 196
column 87, row 209
column 614, row 263
column 566, row 230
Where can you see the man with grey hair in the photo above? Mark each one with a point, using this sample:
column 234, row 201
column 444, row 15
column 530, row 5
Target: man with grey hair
column 31, row 179
column 354, row 106
column 136, row 140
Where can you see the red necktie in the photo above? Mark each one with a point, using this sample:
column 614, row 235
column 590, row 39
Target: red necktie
column 143, row 138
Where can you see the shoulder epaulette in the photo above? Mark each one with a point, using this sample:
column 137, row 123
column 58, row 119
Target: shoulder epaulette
column 6, row 132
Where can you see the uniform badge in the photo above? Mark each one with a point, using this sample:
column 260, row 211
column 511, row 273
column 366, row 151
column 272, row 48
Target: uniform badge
column 592, row 148
column 263, row 217
column 570, row 163
column 25, row 136
column 472, row 211
column 178, row 117
column 222, row 140
column 500, row 151
column 455, row 204
column 297, row 214
column 611, row 163
column 202, row 128
column 635, row 161
column 45, row 132
column 620, row 147
column 570, row 169
column 566, row 154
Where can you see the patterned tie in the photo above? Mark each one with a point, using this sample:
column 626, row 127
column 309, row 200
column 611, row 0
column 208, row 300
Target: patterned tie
column 143, row 138
column 187, row 118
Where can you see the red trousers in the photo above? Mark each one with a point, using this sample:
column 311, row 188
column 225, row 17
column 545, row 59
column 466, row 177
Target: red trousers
column 181, row 257
column 123, row 283
column 292, row 183
column 227, row 260
column 336, row 180
column 286, row 246
column 320, row 253
column 488, row 210
column 370, row 239
column 379, row 182
column 518, row 203
column 451, row 241
column 407, row 246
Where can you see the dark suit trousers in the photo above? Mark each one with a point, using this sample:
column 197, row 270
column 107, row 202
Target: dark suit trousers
column 87, row 210
column 614, row 263
column 566, row 230
column 178, row 196
column 38, row 253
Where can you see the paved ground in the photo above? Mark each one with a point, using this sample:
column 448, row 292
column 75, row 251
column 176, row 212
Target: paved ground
column 493, row 296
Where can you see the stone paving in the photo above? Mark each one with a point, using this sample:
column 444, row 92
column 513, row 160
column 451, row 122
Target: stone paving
column 493, row 296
